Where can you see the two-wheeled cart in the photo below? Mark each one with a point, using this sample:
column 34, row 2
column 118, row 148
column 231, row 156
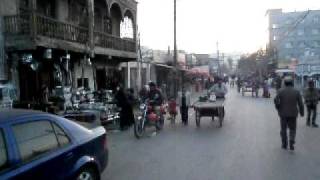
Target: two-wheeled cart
column 209, row 109
column 249, row 88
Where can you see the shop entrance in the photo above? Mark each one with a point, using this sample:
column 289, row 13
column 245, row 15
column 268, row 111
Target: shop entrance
column 101, row 79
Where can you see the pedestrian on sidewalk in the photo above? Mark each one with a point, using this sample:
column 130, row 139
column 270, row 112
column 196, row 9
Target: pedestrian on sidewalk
column 311, row 97
column 278, row 83
column 288, row 103
column 126, row 112
column 184, row 101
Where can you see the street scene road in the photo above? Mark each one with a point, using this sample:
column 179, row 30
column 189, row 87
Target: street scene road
column 90, row 89
column 248, row 146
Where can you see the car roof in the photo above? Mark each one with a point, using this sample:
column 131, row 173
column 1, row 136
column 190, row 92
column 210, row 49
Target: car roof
column 6, row 114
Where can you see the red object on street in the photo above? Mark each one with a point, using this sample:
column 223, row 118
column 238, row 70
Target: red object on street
column 172, row 107
column 153, row 117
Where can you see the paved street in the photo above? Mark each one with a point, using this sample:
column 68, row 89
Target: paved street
column 247, row 147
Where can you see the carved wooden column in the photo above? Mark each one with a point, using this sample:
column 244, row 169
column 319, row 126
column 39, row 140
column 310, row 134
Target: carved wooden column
column 3, row 72
column 33, row 20
column 91, row 27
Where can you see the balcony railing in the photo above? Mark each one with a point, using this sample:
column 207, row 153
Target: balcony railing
column 38, row 25
column 112, row 42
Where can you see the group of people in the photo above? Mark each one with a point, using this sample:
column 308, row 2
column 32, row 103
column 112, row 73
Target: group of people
column 126, row 102
column 255, row 83
column 289, row 104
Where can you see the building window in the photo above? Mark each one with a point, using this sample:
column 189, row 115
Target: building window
column 302, row 44
column 315, row 31
column 287, row 33
column 300, row 32
column 288, row 45
column 275, row 26
column 126, row 27
column 288, row 22
column 316, row 20
column 288, row 57
column 86, row 82
column 275, row 38
column 316, row 44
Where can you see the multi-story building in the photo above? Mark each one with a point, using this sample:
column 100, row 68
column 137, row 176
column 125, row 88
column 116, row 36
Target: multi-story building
column 77, row 43
column 293, row 34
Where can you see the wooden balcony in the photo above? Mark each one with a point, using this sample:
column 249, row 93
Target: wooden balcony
column 61, row 35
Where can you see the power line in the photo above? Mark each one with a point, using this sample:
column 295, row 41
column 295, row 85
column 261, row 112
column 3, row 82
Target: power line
column 294, row 27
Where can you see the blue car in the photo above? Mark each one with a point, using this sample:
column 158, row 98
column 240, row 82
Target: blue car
column 37, row 145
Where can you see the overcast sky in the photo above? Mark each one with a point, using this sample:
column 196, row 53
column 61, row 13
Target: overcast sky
column 238, row 25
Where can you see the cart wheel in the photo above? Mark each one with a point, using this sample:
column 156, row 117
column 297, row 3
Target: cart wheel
column 198, row 122
column 221, row 116
column 220, row 121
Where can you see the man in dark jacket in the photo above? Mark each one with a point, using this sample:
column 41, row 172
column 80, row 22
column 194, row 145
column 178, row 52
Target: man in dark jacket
column 311, row 97
column 156, row 100
column 155, row 95
column 126, row 112
column 278, row 83
column 288, row 102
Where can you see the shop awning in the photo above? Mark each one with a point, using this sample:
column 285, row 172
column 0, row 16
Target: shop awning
column 163, row 65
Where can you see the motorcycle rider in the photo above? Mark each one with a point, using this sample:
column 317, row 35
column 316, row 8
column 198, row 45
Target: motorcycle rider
column 156, row 99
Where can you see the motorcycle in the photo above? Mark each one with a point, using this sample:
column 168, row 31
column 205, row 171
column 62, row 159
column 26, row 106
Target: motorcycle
column 147, row 118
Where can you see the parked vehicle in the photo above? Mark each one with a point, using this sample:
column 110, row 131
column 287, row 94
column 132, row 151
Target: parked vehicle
column 37, row 145
column 147, row 118
column 251, row 88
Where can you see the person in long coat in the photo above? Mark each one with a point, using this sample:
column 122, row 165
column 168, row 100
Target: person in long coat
column 311, row 97
column 289, row 104
column 126, row 112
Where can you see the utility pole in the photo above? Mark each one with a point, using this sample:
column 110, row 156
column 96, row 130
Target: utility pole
column 139, row 63
column 175, row 56
column 218, row 58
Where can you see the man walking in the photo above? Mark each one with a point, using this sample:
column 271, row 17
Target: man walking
column 288, row 103
column 311, row 97
column 278, row 83
column 184, row 102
